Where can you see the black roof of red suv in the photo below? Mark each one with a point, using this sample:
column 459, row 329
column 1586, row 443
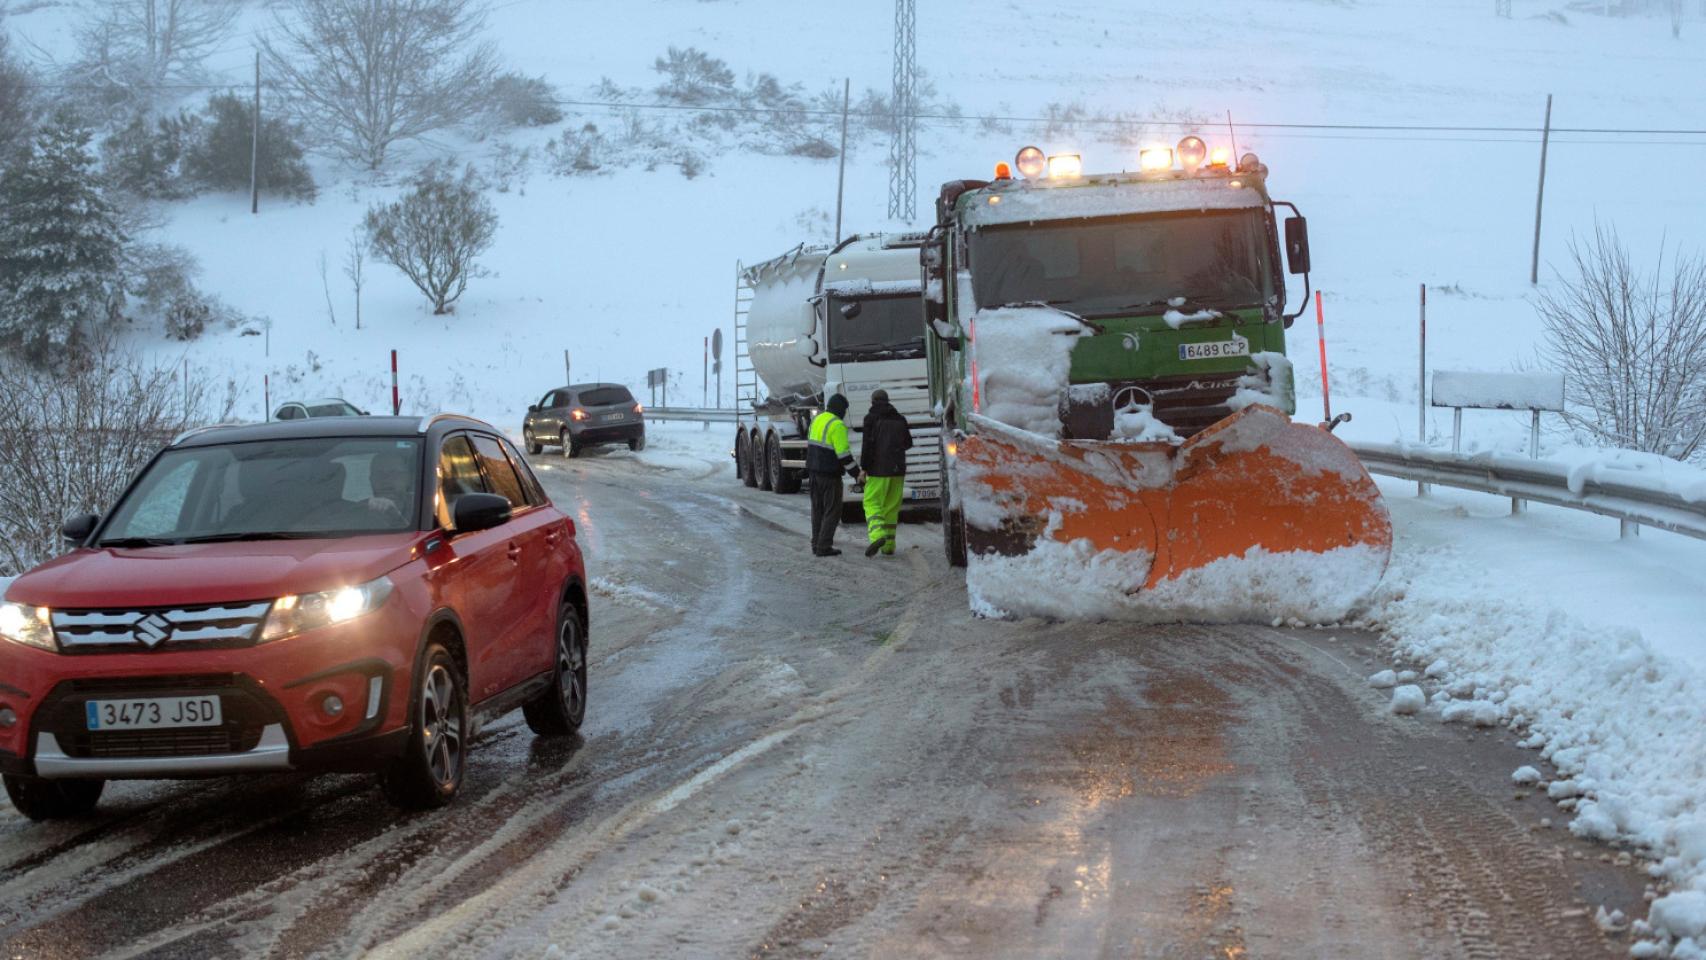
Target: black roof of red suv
column 330, row 427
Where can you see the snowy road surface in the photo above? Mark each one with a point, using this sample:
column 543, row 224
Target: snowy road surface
column 789, row 757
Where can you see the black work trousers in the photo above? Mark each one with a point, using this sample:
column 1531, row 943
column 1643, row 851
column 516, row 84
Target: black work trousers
column 826, row 509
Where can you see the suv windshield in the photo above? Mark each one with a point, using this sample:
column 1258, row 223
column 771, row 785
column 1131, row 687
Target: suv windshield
column 887, row 328
column 1128, row 265
column 606, row 396
column 272, row 489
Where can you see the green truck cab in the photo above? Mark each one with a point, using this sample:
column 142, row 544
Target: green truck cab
column 1176, row 269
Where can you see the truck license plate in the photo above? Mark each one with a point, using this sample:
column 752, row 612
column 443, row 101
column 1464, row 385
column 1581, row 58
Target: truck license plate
column 1236, row 347
column 158, row 713
column 925, row 493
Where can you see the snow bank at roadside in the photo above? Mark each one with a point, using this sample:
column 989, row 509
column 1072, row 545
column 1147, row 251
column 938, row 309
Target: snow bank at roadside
column 1624, row 725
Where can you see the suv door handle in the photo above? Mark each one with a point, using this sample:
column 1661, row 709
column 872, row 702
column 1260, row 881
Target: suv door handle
column 514, row 550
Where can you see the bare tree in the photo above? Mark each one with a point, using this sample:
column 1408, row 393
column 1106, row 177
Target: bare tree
column 435, row 232
column 355, row 267
column 1632, row 347
column 135, row 47
column 18, row 104
column 70, row 441
column 371, row 73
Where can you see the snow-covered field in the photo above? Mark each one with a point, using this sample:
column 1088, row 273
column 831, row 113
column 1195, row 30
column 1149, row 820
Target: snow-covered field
column 1593, row 646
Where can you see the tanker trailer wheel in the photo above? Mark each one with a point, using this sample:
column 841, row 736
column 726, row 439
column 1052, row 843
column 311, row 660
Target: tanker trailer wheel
column 782, row 479
column 767, row 460
column 953, row 518
column 741, row 453
column 751, row 466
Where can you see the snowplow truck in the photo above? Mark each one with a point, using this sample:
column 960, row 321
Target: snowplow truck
column 1107, row 353
column 828, row 319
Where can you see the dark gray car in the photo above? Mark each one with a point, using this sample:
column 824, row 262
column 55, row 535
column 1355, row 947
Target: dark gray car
column 585, row 415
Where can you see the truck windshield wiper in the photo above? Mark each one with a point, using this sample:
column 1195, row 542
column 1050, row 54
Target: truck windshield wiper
column 136, row 542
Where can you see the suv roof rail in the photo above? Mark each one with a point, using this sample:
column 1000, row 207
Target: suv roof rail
column 196, row 431
column 428, row 421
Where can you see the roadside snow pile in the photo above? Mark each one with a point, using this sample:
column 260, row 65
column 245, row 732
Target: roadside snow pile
column 1647, row 470
column 1022, row 359
column 1525, row 776
column 1622, row 724
column 1408, row 700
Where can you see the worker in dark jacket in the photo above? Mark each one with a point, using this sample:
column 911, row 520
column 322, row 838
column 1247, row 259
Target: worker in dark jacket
column 827, row 458
column 882, row 456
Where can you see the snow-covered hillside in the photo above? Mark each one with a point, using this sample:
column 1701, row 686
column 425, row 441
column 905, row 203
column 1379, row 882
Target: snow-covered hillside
column 632, row 270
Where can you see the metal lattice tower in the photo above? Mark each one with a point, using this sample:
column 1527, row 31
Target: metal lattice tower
column 903, row 149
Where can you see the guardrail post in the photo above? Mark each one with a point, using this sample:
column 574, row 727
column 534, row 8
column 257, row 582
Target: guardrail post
column 1628, row 530
column 1533, row 454
column 1456, row 429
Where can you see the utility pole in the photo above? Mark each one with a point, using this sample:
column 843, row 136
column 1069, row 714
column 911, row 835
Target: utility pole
column 1540, row 196
column 903, row 149
column 255, row 145
column 841, row 177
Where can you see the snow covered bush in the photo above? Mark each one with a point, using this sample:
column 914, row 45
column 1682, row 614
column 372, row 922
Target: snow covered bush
column 577, row 152
column 219, row 157
column 71, row 439
column 1631, row 345
column 144, row 158
column 60, row 246
column 435, row 232
column 518, row 100
column 372, row 73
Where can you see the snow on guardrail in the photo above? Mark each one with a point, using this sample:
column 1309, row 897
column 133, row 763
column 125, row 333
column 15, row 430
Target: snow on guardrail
column 692, row 414
column 1630, row 487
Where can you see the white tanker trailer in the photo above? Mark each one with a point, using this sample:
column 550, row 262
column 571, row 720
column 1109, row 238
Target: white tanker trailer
column 822, row 320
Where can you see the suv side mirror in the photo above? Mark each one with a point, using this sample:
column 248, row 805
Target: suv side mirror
column 479, row 511
column 77, row 529
column 1297, row 244
column 533, row 408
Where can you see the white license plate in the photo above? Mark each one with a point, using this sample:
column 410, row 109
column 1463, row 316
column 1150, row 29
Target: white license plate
column 1239, row 347
column 612, row 416
column 158, row 713
column 925, row 493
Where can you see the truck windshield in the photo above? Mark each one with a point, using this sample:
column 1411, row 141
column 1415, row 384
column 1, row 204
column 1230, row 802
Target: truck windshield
column 272, row 490
column 1125, row 265
column 886, row 328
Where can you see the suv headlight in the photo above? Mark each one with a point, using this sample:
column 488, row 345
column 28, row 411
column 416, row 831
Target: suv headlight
column 30, row 626
column 294, row 614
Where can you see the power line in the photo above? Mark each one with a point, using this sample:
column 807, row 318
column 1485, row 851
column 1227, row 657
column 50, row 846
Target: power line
column 963, row 118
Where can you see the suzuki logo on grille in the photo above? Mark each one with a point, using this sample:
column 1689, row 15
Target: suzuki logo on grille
column 152, row 629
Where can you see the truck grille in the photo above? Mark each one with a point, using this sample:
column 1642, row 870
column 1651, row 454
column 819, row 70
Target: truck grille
column 221, row 625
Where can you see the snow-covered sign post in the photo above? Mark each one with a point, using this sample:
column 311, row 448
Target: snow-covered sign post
column 1534, row 392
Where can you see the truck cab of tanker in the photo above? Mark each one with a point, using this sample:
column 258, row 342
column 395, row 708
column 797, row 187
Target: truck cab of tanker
column 836, row 319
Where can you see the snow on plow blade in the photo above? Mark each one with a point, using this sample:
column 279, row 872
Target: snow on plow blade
column 1256, row 518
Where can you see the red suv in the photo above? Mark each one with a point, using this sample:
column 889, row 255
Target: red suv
column 335, row 594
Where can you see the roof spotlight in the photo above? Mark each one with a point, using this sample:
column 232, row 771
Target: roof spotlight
column 1220, row 158
column 1066, row 165
column 1030, row 162
column 1154, row 159
column 1192, row 152
column 1249, row 163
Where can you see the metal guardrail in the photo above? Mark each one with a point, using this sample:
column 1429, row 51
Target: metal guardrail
column 692, row 414
column 1631, row 498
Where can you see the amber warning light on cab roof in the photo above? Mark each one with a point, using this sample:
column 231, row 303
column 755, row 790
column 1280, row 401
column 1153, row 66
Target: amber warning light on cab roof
column 1192, row 156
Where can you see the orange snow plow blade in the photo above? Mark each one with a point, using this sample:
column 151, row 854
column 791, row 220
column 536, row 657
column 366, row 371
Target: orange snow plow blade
column 1253, row 485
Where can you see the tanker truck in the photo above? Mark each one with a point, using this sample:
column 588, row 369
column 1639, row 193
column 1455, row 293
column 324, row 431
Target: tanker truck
column 1108, row 353
column 820, row 320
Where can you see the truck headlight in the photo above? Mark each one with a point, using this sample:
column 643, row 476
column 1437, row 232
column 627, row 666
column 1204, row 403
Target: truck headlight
column 30, row 626
column 294, row 614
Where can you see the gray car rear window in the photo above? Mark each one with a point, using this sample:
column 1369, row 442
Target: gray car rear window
column 606, row 396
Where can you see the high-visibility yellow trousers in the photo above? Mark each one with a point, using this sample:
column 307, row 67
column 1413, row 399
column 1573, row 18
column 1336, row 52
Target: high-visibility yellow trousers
column 882, row 508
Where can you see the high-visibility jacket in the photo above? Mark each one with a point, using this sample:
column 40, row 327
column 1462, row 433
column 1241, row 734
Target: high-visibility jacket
column 826, row 445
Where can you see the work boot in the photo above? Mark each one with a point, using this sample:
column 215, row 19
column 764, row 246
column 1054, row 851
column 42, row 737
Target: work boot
column 876, row 545
column 831, row 552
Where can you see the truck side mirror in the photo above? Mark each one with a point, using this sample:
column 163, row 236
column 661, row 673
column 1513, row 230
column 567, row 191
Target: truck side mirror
column 1297, row 244
column 851, row 309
